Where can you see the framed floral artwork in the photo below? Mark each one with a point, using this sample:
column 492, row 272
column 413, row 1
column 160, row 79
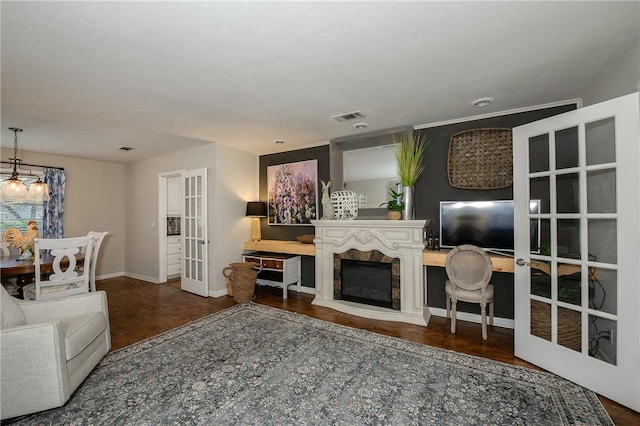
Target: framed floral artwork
column 293, row 193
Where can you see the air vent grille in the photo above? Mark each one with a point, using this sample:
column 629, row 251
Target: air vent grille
column 340, row 118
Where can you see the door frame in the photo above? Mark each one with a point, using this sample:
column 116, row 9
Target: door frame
column 162, row 222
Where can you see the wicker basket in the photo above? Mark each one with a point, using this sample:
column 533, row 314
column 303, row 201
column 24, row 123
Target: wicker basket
column 569, row 327
column 242, row 278
column 481, row 159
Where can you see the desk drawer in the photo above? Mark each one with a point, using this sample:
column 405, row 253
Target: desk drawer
column 272, row 264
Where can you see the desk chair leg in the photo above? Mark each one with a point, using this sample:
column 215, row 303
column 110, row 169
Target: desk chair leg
column 448, row 307
column 483, row 315
column 454, row 306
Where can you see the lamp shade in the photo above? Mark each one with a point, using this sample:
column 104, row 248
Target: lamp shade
column 256, row 209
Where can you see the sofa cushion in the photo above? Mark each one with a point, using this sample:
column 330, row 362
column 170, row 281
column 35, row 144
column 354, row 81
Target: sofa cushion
column 11, row 314
column 81, row 330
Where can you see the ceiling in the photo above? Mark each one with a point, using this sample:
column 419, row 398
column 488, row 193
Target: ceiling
column 85, row 78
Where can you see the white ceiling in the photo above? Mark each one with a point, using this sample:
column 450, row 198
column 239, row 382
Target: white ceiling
column 84, row 78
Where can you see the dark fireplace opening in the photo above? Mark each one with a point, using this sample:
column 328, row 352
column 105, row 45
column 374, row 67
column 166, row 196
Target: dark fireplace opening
column 366, row 282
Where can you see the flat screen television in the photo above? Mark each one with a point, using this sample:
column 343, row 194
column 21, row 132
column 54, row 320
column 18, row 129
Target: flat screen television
column 486, row 224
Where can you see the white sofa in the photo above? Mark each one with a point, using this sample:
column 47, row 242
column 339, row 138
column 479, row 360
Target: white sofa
column 48, row 348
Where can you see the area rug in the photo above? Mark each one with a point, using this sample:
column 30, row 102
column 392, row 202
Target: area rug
column 255, row 365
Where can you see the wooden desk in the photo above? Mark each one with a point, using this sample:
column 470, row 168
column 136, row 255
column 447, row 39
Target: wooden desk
column 429, row 257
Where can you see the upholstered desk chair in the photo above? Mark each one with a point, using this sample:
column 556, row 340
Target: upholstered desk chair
column 63, row 280
column 469, row 270
column 97, row 237
column 47, row 348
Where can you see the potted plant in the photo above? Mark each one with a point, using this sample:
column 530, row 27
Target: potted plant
column 394, row 205
column 409, row 152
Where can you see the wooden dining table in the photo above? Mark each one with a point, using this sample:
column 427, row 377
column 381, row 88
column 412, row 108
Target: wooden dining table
column 25, row 270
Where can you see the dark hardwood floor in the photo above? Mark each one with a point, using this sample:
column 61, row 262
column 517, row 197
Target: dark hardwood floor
column 139, row 310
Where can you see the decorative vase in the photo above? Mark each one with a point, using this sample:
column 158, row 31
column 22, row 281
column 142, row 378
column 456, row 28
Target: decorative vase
column 394, row 215
column 26, row 254
column 407, row 200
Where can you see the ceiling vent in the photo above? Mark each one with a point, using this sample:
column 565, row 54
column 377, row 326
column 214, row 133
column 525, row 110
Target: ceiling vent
column 341, row 118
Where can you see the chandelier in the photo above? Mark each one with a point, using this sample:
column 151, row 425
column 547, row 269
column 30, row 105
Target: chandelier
column 14, row 189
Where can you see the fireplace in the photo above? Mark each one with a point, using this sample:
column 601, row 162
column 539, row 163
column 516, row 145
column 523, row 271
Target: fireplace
column 370, row 278
column 396, row 242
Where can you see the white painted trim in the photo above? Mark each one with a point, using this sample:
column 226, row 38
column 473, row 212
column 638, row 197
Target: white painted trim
column 577, row 102
column 162, row 219
column 217, row 293
column 467, row 316
column 308, row 290
column 112, row 275
column 142, row 277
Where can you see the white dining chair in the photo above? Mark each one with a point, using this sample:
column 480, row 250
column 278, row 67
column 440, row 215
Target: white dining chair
column 469, row 270
column 97, row 238
column 68, row 275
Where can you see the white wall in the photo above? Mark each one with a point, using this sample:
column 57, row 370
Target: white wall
column 620, row 76
column 232, row 181
column 94, row 201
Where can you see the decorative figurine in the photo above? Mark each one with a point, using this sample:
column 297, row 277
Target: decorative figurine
column 327, row 206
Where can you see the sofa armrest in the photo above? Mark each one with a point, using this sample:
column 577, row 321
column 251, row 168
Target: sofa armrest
column 65, row 307
column 34, row 369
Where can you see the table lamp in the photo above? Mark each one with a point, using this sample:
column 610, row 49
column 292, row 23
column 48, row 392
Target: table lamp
column 256, row 210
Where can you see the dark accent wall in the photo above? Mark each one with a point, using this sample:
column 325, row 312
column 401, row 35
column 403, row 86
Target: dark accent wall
column 431, row 188
column 290, row 232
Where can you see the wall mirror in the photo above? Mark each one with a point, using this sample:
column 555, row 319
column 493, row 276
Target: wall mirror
column 365, row 163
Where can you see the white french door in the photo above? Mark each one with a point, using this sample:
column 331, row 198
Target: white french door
column 577, row 298
column 195, row 241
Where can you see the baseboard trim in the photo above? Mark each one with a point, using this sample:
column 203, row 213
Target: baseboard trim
column 153, row 280
column 466, row 316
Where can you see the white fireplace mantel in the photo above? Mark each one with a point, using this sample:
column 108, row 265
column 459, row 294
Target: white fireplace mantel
column 402, row 239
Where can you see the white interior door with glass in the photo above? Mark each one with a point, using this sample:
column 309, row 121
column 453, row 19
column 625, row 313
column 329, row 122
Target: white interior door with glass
column 577, row 298
column 195, row 243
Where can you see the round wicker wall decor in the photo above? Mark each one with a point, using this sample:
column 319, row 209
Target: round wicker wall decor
column 481, row 159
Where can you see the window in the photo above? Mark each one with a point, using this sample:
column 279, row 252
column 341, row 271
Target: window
column 17, row 215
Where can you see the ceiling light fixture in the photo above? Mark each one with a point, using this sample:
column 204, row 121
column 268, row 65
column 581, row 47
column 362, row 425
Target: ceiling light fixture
column 482, row 102
column 14, row 189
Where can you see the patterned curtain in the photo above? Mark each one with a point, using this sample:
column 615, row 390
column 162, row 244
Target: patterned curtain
column 54, row 208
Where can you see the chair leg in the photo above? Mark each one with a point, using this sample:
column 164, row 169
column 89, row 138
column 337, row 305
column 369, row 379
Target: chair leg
column 491, row 306
column 454, row 305
column 483, row 315
column 448, row 306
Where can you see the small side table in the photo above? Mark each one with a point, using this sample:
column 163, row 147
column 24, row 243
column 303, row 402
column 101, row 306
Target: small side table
column 278, row 270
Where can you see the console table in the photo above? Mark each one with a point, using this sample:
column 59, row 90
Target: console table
column 429, row 257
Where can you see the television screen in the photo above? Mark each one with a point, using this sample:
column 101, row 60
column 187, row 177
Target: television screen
column 486, row 224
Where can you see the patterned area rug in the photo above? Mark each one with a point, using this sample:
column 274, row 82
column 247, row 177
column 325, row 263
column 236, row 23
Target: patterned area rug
column 255, row 365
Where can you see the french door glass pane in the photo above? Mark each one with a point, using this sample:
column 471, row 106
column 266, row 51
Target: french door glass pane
column 540, row 279
column 603, row 290
column 603, row 241
column 567, row 148
column 603, row 334
column 569, row 328
column 539, row 190
column 568, row 238
column 600, row 141
column 569, row 284
column 568, row 193
column 540, row 319
column 601, row 191
column 539, row 153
